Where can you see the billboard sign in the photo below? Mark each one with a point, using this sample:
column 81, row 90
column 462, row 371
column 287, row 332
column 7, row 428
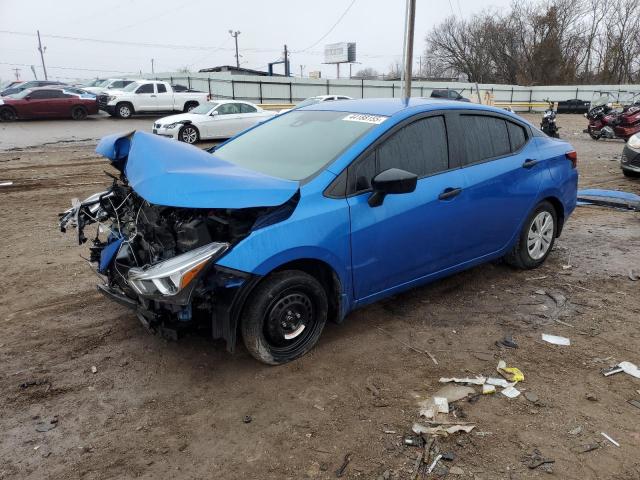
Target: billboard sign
column 340, row 53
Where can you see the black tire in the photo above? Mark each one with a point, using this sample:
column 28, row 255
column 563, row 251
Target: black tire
column 288, row 303
column 124, row 110
column 8, row 114
column 521, row 255
column 190, row 106
column 631, row 174
column 79, row 113
column 189, row 134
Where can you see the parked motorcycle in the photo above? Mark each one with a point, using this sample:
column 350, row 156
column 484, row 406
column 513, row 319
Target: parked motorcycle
column 548, row 124
column 605, row 122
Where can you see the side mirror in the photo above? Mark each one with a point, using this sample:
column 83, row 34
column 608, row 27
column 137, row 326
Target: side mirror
column 28, row 97
column 213, row 114
column 391, row 181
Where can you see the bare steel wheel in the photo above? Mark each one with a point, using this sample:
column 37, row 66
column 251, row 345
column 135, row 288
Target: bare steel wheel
column 188, row 134
column 536, row 238
column 124, row 110
column 284, row 317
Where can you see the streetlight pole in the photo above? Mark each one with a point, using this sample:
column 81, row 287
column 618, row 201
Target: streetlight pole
column 408, row 47
column 235, row 36
column 42, row 50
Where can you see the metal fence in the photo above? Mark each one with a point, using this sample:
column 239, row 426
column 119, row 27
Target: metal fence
column 279, row 90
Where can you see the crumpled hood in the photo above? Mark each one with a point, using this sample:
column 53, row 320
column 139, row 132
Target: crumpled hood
column 180, row 117
column 170, row 173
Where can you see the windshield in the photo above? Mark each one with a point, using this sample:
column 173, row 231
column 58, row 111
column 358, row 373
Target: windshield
column 131, row 87
column 309, row 101
column 94, row 83
column 21, row 94
column 204, row 108
column 298, row 144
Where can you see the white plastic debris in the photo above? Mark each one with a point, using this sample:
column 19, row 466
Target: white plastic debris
column 511, row 392
column 556, row 340
column 478, row 380
column 94, row 369
column 488, row 389
column 630, row 369
column 433, row 465
column 443, row 430
column 610, row 439
column 499, row 382
column 441, row 404
column 6, row 184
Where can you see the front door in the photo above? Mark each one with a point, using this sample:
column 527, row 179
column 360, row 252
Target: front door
column 146, row 98
column 413, row 235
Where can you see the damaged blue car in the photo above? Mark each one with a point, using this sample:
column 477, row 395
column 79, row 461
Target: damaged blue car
column 317, row 212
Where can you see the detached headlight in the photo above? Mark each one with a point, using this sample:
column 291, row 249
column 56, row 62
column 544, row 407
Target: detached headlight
column 111, row 98
column 634, row 142
column 171, row 276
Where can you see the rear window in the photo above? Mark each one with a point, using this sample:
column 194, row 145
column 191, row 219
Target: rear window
column 483, row 138
column 517, row 135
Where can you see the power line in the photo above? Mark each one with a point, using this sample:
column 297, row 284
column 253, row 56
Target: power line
column 69, row 68
column 330, row 30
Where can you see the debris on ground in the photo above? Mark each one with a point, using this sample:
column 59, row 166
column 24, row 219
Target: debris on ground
column 343, row 467
column 535, row 460
column 587, row 447
column 456, row 471
column 511, row 392
column 575, row 431
column 414, row 441
column 433, row 465
column 591, row 397
column 6, row 184
column 507, row 342
column 499, row 382
column 634, row 275
column 47, row 425
column 487, row 389
column 556, row 340
column 610, row 439
column 512, row 374
column 633, row 402
column 559, row 298
column 442, row 430
column 247, row 419
column 478, row 380
column 626, row 367
column 532, row 397
column 35, row 383
column 450, row 394
column 609, row 198
column 94, row 369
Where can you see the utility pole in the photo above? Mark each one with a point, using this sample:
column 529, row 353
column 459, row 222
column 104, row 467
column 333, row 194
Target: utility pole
column 301, row 71
column 42, row 50
column 152, row 70
column 33, row 70
column 287, row 72
column 17, row 72
column 235, row 36
column 410, row 21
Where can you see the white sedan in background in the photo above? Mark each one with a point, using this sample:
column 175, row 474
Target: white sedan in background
column 317, row 99
column 211, row 120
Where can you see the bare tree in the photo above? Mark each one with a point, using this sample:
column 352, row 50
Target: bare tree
column 367, row 74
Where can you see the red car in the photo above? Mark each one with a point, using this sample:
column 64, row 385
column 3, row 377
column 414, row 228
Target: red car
column 47, row 102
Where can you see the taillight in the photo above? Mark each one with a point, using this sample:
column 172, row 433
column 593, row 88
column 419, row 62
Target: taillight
column 573, row 157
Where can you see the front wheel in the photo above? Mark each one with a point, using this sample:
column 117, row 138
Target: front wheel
column 8, row 114
column 284, row 317
column 124, row 110
column 79, row 113
column 189, row 134
column 536, row 238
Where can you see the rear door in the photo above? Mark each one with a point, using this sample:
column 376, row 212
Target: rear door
column 503, row 173
column 41, row 103
column 410, row 235
column 164, row 99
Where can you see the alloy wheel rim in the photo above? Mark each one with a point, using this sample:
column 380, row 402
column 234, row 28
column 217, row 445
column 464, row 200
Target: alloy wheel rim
column 124, row 111
column 189, row 135
column 540, row 235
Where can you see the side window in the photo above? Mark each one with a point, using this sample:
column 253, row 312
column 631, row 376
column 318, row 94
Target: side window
column 517, row 135
column 228, row 109
column 453, row 94
column 244, row 108
column 483, row 138
column 41, row 94
column 420, row 148
column 116, row 84
column 161, row 88
column 146, row 88
column 126, row 82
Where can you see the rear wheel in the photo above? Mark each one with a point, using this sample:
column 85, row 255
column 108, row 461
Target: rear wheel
column 284, row 317
column 79, row 113
column 536, row 238
column 8, row 114
column 189, row 134
column 190, row 106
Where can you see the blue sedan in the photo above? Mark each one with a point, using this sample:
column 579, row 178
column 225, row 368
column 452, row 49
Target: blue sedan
column 320, row 211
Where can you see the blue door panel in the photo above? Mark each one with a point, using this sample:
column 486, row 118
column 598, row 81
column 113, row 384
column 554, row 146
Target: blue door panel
column 407, row 237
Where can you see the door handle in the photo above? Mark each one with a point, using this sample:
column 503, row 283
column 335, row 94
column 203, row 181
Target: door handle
column 529, row 163
column 154, row 96
column 449, row 193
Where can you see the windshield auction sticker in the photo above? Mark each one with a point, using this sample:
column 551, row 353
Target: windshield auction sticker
column 363, row 117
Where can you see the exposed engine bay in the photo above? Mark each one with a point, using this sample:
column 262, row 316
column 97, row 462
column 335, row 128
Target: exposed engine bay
column 161, row 260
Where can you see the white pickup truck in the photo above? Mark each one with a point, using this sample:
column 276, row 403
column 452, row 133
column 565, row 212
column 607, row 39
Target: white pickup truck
column 146, row 96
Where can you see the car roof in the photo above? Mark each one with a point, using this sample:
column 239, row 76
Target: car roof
column 391, row 106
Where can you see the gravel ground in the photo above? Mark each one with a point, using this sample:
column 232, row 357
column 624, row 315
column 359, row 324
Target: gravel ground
column 157, row 409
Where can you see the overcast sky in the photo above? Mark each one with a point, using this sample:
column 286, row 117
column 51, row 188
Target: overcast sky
column 202, row 28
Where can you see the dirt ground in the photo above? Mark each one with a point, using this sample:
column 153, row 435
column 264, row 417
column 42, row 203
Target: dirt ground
column 158, row 409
